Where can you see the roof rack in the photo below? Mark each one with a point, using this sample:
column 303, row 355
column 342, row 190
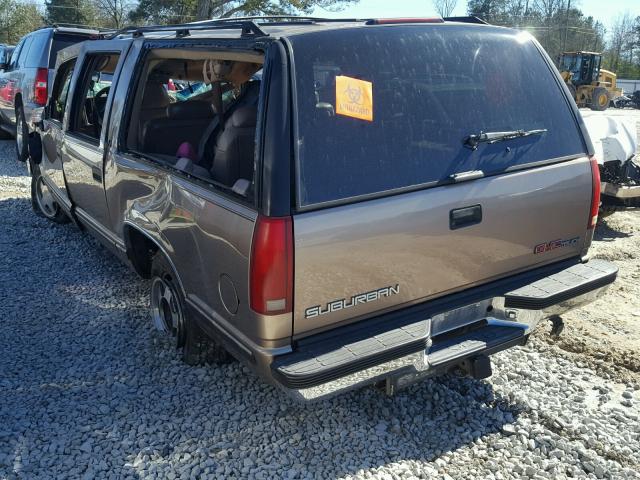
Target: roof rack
column 277, row 19
column 70, row 25
column 467, row 19
column 247, row 28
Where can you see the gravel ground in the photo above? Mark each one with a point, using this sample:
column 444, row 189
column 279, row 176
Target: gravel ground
column 89, row 390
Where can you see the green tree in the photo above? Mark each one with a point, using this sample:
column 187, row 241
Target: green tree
column 167, row 11
column 17, row 19
column 82, row 12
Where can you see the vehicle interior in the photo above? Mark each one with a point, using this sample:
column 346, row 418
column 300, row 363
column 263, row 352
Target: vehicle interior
column 96, row 87
column 197, row 112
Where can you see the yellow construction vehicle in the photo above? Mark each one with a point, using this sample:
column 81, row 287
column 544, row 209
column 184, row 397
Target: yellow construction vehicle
column 590, row 85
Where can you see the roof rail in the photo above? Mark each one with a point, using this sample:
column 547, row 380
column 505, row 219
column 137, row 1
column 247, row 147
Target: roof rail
column 71, row 25
column 270, row 19
column 467, row 19
column 247, row 29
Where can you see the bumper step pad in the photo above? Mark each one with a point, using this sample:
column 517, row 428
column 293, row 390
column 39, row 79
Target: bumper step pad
column 486, row 340
column 559, row 287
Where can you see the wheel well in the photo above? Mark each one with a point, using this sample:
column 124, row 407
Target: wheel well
column 140, row 250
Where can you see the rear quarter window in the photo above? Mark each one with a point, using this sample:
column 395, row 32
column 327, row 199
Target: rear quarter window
column 61, row 41
column 37, row 51
column 431, row 87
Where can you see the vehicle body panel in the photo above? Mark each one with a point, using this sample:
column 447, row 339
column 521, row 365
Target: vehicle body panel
column 406, row 240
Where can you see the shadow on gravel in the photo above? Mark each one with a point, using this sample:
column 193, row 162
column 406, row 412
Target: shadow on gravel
column 88, row 388
column 605, row 233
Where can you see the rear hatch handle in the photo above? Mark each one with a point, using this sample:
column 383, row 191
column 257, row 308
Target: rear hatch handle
column 466, row 176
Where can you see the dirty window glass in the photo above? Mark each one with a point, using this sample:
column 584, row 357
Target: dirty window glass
column 60, row 90
column 96, row 85
column 370, row 123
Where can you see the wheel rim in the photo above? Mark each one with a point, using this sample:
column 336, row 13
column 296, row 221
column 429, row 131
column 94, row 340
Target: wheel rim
column 166, row 310
column 603, row 100
column 47, row 204
column 19, row 132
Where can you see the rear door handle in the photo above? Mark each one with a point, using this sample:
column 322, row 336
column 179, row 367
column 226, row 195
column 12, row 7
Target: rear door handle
column 465, row 217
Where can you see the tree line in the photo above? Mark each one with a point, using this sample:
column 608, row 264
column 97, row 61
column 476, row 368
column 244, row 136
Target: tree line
column 561, row 26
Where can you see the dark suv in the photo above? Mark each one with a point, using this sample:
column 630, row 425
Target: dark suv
column 26, row 77
column 329, row 216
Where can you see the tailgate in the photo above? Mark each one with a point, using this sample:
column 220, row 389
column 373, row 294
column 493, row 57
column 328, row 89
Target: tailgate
column 355, row 260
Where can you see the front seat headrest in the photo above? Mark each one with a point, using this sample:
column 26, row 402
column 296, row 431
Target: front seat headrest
column 245, row 116
column 190, row 109
column 155, row 95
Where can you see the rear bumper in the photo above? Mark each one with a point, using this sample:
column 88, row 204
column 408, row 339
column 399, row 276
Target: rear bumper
column 427, row 340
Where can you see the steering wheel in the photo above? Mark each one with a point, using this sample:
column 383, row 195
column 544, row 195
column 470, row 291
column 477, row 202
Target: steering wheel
column 100, row 99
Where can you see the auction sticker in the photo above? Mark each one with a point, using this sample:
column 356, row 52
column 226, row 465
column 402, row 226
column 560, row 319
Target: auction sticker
column 354, row 98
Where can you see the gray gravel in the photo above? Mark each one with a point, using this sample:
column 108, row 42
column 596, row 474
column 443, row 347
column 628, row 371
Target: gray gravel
column 89, row 390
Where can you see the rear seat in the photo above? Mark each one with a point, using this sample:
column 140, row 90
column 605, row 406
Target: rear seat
column 185, row 122
column 234, row 150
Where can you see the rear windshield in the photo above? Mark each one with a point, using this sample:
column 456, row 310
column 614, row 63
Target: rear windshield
column 386, row 108
column 61, row 41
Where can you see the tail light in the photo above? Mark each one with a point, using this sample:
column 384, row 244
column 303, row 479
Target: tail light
column 40, row 87
column 271, row 268
column 595, row 193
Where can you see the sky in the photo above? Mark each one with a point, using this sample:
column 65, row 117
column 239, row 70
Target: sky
column 417, row 8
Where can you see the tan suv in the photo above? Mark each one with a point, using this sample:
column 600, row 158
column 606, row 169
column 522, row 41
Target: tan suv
column 330, row 217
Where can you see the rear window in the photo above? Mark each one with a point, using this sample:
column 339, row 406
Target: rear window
column 61, row 41
column 385, row 108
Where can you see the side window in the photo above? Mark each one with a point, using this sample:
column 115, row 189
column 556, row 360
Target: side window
column 60, row 90
column 92, row 93
column 24, row 51
column 15, row 55
column 37, row 50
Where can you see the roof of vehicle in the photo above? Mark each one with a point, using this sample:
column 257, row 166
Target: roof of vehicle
column 68, row 28
column 272, row 27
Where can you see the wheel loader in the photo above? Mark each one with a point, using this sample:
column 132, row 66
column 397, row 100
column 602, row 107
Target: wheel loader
column 590, row 85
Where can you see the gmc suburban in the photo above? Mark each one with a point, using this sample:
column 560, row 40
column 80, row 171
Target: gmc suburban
column 335, row 203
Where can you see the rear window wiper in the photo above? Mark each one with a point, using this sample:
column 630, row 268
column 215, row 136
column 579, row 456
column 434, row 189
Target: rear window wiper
column 472, row 141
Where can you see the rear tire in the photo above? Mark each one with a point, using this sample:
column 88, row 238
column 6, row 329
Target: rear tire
column 42, row 200
column 170, row 316
column 22, row 135
column 600, row 99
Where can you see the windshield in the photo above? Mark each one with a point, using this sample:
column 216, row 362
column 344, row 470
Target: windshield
column 385, row 108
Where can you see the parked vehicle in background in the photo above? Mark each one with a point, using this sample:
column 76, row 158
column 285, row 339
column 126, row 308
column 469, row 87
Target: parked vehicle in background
column 358, row 219
column 5, row 55
column 615, row 143
column 589, row 84
column 628, row 101
column 24, row 83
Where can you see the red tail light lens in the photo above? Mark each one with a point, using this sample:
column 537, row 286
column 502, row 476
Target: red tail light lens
column 271, row 269
column 595, row 193
column 40, row 87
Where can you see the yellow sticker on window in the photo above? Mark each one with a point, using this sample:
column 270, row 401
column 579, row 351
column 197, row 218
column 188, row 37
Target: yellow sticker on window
column 354, row 98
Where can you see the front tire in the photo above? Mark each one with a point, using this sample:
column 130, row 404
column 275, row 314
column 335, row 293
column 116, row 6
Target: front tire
column 42, row 200
column 600, row 99
column 169, row 316
column 22, row 135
